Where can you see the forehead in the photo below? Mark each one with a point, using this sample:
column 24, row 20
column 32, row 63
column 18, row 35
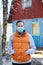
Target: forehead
column 20, row 23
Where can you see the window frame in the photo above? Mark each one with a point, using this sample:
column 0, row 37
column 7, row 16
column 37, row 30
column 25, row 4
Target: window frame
column 38, row 34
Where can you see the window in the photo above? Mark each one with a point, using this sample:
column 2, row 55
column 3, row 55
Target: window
column 26, row 3
column 36, row 28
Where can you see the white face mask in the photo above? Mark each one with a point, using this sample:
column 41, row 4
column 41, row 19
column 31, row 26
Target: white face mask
column 20, row 29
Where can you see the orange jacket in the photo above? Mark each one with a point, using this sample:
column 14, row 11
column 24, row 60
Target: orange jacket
column 20, row 44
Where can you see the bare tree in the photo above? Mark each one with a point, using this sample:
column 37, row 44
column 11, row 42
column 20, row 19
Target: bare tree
column 5, row 12
column 0, row 45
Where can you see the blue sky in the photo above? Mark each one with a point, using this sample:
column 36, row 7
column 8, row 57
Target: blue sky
column 1, row 9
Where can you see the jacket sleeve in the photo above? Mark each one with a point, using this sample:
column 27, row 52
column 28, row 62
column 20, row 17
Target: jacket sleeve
column 11, row 51
column 32, row 46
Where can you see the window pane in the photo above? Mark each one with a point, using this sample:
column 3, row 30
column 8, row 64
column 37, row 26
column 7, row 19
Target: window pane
column 26, row 3
column 35, row 29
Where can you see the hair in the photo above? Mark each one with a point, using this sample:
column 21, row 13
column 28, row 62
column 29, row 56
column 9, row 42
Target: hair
column 19, row 22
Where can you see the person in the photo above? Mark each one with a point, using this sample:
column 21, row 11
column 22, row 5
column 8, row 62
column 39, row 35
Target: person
column 21, row 45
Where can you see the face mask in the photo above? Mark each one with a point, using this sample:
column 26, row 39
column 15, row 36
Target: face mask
column 20, row 29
